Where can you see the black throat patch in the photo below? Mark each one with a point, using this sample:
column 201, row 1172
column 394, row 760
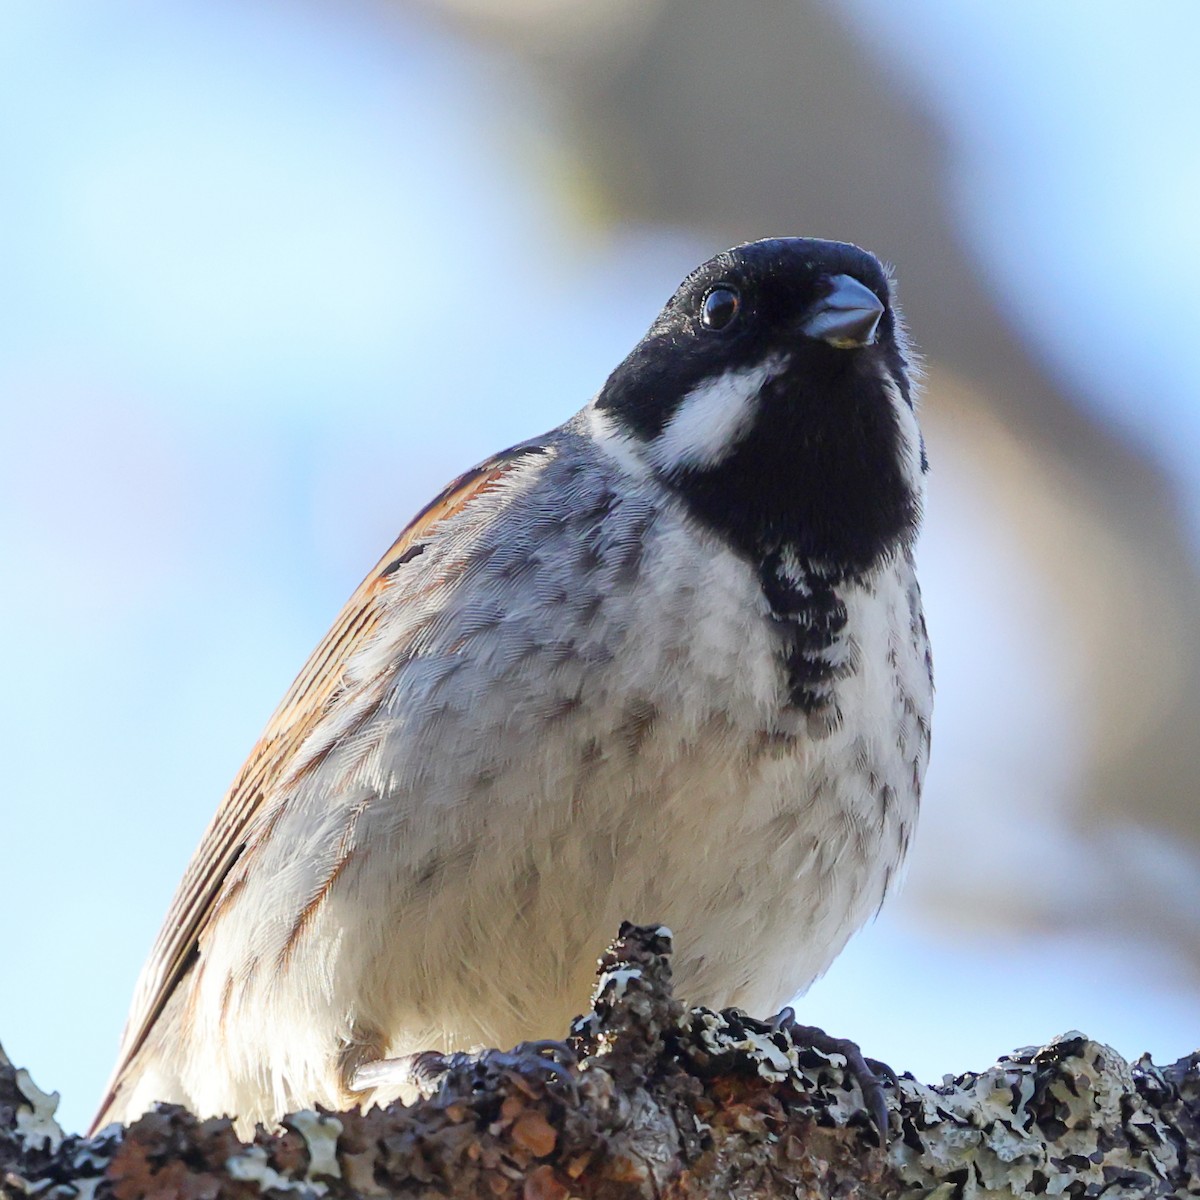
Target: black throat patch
column 809, row 617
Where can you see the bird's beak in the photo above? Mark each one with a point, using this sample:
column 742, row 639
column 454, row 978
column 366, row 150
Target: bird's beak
column 847, row 317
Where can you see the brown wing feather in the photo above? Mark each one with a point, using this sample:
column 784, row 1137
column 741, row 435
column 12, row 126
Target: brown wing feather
column 307, row 701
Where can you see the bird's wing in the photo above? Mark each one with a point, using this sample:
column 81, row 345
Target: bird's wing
column 308, row 701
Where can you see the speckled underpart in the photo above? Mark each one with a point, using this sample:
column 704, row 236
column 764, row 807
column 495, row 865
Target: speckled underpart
column 666, row 729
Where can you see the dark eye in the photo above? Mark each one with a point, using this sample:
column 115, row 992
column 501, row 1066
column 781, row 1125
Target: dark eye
column 720, row 308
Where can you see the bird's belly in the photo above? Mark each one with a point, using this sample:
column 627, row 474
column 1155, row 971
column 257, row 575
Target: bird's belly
column 763, row 851
column 762, row 858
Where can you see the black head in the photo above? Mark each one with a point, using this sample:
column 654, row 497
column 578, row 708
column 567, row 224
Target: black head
column 773, row 393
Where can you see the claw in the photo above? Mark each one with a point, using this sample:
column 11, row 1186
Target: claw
column 784, row 1019
column 548, row 1048
column 866, row 1071
column 879, row 1067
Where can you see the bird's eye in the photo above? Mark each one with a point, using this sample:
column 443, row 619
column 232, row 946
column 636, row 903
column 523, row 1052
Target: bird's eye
column 720, row 308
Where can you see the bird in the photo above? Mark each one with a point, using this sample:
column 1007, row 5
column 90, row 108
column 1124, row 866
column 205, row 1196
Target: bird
column 666, row 663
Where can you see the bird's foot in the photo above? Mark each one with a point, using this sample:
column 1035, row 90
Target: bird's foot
column 553, row 1058
column 427, row 1070
column 866, row 1071
column 422, row 1071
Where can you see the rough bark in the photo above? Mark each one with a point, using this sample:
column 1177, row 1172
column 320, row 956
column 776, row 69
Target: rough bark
column 654, row 1100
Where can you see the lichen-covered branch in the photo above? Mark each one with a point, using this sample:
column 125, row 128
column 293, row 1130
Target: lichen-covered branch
column 649, row 1100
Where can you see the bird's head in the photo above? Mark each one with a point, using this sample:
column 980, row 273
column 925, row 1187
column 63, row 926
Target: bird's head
column 774, row 394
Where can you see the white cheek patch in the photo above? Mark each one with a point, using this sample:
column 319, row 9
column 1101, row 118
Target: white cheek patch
column 711, row 418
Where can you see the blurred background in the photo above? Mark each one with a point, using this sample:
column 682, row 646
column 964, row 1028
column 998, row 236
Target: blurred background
column 272, row 272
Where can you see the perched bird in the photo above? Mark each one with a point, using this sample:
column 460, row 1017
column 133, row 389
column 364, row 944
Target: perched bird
column 667, row 663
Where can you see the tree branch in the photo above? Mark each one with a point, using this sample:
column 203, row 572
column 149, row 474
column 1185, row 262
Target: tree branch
column 652, row 1100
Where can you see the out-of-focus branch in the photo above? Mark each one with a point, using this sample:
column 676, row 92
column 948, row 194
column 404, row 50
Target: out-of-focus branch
column 653, row 1100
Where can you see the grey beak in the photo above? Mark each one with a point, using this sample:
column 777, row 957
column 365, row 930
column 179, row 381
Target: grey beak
column 847, row 317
